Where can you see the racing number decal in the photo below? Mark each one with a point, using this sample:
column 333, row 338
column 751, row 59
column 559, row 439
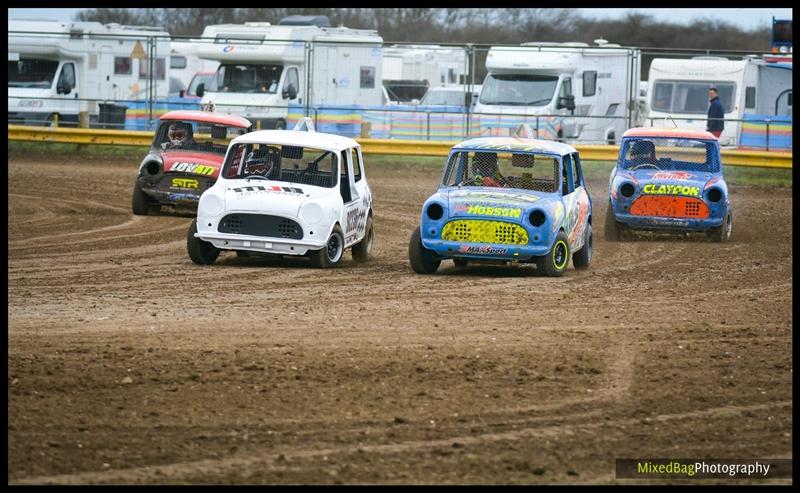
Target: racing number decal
column 356, row 220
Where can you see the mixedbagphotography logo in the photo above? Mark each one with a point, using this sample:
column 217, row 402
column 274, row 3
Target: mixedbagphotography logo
column 703, row 468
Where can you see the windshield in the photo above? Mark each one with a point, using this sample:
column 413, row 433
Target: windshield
column 207, row 79
column 31, row 73
column 690, row 96
column 187, row 135
column 449, row 98
column 669, row 154
column 306, row 165
column 525, row 171
column 256, row 78
column 518, row 89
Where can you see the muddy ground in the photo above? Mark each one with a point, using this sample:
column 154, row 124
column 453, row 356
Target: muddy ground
column 127, row 363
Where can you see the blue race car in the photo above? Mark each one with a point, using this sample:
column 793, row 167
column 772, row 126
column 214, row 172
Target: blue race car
column 510, row 200
column 668, row 180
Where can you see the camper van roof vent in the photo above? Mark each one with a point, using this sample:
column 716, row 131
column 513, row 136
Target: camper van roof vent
column 238, row 37
column 707, row 57
column 306, row 20
column 257, row 24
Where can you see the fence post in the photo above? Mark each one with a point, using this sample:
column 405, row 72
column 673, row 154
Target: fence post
column 537, row 127
column 428, row 124
column 767, row 134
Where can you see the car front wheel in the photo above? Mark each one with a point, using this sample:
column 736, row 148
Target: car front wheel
column 331, row 254
column 201, row 252
column 555, row 262
column 140, row 203
column 423, row 261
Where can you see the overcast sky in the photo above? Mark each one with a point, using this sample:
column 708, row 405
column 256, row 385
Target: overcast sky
column 744, row 18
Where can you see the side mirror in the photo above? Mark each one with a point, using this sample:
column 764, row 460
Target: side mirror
column 567, row 102
column 201, row 89
column 290, row 92
column 64, row 88
column 182, row 93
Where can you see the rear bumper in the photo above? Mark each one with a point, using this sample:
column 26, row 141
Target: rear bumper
column 668, row 223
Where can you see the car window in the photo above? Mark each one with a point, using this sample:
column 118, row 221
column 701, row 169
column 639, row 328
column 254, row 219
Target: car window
column 525, row 171
column 293, row 164
column 577, row 172
column 356, row 159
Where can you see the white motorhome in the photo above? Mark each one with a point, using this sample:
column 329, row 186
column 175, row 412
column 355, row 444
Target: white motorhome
column 265, row 68
column 678, row 91
column 559, row 82
column 185, row 64
column 58, row 69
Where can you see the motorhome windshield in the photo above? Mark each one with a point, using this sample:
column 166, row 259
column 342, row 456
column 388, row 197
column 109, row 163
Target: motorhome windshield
column 518, row 89
column 31, row 73
column 255, row 78
column 684, row 96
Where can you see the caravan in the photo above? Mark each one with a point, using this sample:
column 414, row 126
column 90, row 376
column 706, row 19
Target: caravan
column 678, row 91
column 57, row 70
column 552, row 85
column 265, row 69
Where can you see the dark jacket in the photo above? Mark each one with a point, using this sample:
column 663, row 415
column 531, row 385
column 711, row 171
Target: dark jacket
column 715, row 110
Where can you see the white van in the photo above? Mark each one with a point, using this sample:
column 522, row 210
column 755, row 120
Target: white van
column 264, row 69
column 58, row 69
column 678, row 91
column 564, row 81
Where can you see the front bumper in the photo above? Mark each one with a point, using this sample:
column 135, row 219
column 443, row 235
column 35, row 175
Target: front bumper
column 493, row 251
column 280, row 246
column 164, row 190
column 668, row 223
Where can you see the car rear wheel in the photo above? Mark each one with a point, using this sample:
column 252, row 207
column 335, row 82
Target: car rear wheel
column 723, row 232
column 613, row 227
column 331, row 254
column 363, row 248
column 557, row 259
column 583, row 257
column 423, row 261
column 201, row 252
column 140, row 202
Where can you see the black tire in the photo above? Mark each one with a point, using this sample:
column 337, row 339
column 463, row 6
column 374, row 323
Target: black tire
column 460, row 262
column 362, row 249
column 557, row 259
column 423, row 261
column 201, row 252
column 140, row 203
column 280, row 125
column 723, row 232
column 583, row 257
column 331, row 254
column 613, row 227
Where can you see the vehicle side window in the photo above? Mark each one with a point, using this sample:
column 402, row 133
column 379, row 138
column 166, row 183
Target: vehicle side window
column 589, row 83
column 67, row 76
column 577, row 172
column 566, row 169
column 355, row 156
column 292, row 80
column 344, row 181
column 566, row 88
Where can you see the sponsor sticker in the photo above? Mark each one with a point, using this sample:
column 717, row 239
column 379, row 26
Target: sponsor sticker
column 198, row 169
column 483, row 250
column 672, row 175
column 184, row 183
column 686, row 191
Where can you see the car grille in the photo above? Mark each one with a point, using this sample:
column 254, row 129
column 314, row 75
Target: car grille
column 260, row 225
column 478, row 231
column 669, row 206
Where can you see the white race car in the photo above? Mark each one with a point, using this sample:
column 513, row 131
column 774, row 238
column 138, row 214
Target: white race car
column 287, row 192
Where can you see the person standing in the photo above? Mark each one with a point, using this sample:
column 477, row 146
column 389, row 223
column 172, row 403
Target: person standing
column 716, row 113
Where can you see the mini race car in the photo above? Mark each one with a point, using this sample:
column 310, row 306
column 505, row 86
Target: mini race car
column 287, row 192
column 184, row 159
column 510, row 200
column 668, row 180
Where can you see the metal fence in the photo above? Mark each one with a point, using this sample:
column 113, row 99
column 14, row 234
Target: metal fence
column 590, row 94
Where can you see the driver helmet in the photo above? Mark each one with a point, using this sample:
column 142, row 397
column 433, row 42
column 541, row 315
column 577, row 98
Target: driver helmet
column 178, row 133
column 485, row 163
column 643, row 149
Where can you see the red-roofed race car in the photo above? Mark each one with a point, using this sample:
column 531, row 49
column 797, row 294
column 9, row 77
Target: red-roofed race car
column 184, row 159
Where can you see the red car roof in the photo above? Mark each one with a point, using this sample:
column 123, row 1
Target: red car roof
column 208, row 117
column 668, row 132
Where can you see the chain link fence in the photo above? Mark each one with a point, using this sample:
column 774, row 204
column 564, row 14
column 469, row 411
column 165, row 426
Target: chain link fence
column 352, row 83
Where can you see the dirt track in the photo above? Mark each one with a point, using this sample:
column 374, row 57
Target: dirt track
column 253, row 371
